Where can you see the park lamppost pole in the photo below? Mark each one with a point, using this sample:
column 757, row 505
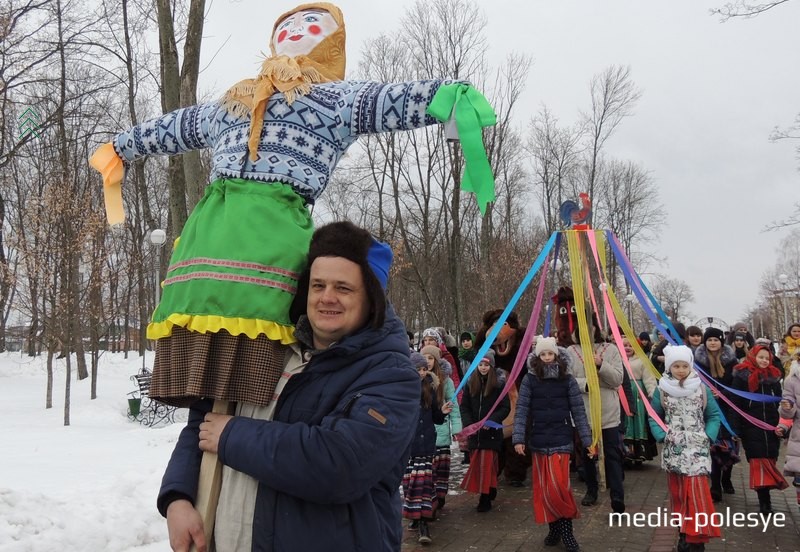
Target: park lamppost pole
column 783, row 279
column 629, row 302
column 157, row 238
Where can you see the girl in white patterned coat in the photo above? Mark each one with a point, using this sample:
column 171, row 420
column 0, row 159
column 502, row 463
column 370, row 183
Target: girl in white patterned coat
column 692, row 418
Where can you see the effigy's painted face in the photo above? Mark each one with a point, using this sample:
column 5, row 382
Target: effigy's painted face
column 300, row 33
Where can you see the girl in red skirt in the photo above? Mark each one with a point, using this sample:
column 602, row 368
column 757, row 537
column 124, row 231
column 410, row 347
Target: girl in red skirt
column 692, row 417
column 549, row 403
column 758, row 374
column 485, row 444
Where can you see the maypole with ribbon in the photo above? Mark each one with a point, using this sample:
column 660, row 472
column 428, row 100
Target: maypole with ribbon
column 595, row 300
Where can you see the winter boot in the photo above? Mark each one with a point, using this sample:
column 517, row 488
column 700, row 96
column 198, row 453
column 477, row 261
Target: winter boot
column 492, row 493
column 570, row 544
column 441, row 501
column 764, row 501
column 424, row 533
column 553, row 537
column 683, row 546
column 484, row 503
column 727, row 485
column 589, row 499
column 413, row 524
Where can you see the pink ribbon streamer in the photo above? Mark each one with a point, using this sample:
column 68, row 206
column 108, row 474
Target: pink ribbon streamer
column 612, row 322
column 519, row 362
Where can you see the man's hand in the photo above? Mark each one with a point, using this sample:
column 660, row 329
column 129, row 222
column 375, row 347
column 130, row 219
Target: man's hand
column 185, row 527
column 211, row 430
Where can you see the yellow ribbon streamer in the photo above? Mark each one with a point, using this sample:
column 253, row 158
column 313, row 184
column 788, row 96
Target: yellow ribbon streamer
column 586, row 337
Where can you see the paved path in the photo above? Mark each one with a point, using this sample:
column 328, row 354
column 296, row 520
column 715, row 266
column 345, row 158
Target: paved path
column 509, row 526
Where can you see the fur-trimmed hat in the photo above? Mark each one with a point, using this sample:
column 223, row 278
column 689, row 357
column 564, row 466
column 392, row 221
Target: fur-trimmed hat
column 435, row 352
column 489, row 357
column 546, row 344
column 432, row 332
column 675, row 353
column 713, row 332
column 418, row 360
column 345, row 239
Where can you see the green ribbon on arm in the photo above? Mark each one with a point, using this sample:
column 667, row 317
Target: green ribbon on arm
column 472, row 112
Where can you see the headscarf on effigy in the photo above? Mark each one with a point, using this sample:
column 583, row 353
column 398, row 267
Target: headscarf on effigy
column 293, row 76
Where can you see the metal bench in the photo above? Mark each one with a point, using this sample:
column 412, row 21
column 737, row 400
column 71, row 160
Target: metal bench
column 142, row 408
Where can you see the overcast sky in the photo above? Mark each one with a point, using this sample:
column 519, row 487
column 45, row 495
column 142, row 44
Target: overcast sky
column 711, row 94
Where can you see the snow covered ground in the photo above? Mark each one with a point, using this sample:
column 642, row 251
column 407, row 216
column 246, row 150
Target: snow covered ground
column 90, row 486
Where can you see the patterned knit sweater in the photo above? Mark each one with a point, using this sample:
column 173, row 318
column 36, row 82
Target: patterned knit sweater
column 300, row 143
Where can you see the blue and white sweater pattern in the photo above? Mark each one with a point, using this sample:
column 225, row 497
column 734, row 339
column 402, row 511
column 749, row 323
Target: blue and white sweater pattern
column 300, row 144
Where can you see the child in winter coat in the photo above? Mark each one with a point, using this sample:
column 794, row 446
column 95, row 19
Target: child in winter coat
column 482, row 393
column 718, row 360
column 692, row 418
column 790, row 346
column 788, row 409
column 432, row 337
column 418, row 491
column 444, row 432
column 639, row 442
column 757, row 374
column 548, row 406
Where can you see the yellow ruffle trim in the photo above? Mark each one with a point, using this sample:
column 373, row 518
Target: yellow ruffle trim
column 211, row 323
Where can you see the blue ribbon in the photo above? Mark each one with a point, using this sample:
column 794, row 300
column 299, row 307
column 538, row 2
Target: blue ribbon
column 634, row 279
column 549, row 311
column 507, row 311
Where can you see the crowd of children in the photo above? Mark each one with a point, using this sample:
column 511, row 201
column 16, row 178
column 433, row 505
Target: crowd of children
column 701, row 433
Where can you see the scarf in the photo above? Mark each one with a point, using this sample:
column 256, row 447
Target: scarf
column 291, row 76
column 673, row 387
column 791, row 344
column 757, row 373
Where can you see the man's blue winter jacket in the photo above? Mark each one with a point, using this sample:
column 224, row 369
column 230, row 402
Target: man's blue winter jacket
column 330, row 464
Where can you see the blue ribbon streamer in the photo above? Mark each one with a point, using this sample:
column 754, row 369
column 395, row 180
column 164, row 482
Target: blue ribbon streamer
column 507, row 311
column 758, row 397
column 549, row 311
column 633, row 280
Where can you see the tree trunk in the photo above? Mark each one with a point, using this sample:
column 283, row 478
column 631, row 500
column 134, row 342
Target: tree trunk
column 170, row 101
column 190, row 72
column 67, row 389
column 48, row 400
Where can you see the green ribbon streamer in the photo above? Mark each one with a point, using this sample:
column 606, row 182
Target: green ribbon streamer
column 472, row 112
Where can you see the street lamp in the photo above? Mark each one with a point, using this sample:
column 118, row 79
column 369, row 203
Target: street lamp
column 629, row 301
column 784, row 281
column 157, row 238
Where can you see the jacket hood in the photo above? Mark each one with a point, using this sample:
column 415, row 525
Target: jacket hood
column 727, row 355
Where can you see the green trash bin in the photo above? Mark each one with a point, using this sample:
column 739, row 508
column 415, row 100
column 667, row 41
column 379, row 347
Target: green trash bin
column 134, row 407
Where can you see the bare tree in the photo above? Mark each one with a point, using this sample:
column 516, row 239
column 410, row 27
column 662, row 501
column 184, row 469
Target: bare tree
column 744, row 9
column 179, row 89
column 613, row 96
column 629, row 206
column 555, row 155
column 673, row 294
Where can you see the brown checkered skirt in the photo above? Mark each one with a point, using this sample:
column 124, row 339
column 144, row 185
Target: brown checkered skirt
column 191, row 365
